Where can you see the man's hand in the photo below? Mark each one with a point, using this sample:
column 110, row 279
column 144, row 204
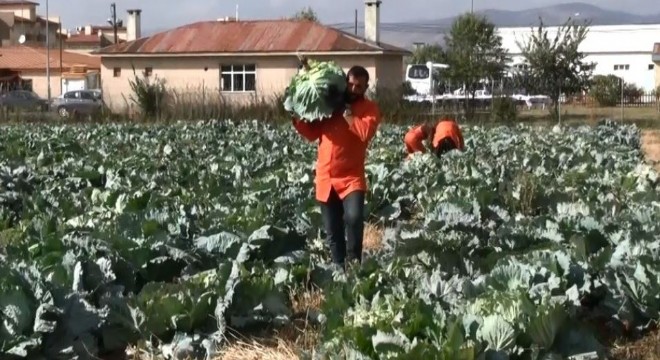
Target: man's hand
column 348, row 115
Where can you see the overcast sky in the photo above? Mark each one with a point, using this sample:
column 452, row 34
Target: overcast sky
column 163, row 14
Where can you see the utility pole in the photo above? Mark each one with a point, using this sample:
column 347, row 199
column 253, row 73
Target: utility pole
column 48, row 52
column 61, row 70
column 113, row 11
column 472, row 7
column 356, row 21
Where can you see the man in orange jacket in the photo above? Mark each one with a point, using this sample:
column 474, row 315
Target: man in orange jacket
column 447, row 136
column 340, row 172
column 414, row 138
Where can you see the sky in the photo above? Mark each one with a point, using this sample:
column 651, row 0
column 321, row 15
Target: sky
column 164, row 14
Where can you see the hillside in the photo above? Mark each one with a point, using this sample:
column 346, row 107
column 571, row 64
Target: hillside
column 432, row 30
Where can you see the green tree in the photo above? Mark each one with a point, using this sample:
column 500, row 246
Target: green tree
column 425, row 53
column 306, row 14
column 556, row 66
column 606, row 89
column 474, row 54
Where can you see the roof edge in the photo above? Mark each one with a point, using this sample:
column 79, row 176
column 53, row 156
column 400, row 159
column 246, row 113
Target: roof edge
column 245, row 54
column 377, row 47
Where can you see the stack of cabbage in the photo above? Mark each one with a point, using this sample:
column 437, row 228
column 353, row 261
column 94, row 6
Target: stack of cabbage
column 316, row 91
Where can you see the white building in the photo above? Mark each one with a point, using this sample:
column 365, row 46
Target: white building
column 622, row 50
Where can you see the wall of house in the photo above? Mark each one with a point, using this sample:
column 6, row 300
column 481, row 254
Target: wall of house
column 27, row 11
column 194, row 78
column 40, row 83
column 657, row 75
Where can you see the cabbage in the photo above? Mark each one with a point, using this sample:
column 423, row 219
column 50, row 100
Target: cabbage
column 316, row 91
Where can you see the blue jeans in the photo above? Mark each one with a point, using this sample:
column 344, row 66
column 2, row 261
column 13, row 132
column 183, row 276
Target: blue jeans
column 343, row 221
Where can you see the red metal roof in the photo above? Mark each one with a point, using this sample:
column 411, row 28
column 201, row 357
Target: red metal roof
column 24, row 58
column 249, row 36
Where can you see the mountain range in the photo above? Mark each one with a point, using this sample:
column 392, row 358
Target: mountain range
column 406, row 33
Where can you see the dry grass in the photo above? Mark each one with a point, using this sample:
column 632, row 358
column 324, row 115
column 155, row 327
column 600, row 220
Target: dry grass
column 373, row 237
column 570, row 112
column 647, row 348
column 651, row 146
column 282, row 344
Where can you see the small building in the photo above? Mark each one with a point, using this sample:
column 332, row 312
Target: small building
column 621, row 50
column 68, row 71
column 20, row 24
column 243, row 60
column 89, row 38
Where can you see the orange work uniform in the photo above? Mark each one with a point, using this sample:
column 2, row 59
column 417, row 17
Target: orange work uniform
column 342, row 149
column 448, row 129
column 414, row 140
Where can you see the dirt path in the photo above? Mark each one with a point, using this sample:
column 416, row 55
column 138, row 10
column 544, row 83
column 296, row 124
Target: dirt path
column 651, row 146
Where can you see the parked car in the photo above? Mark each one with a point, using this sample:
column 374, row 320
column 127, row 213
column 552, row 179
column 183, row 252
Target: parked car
column 78, row 102
column 24, row 100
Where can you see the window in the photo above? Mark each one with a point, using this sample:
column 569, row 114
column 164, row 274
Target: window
column 116, row 72
column 86, row 95
column 71, row 95
column 651, row 66
column 418, row 72
column 622, row 67
column 148, row 71
column 238, row 78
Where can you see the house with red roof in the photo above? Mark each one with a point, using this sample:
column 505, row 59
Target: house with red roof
column 243, row 60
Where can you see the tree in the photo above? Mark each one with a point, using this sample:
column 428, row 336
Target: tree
column 556, row 66
column 474, row 53
column 426, row 53
column 305, row 14
column 606, row 89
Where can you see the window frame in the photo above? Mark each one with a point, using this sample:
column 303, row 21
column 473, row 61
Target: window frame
column 234, row 69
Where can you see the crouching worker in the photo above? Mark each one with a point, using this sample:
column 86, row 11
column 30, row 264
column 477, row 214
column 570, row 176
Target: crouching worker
column 447, row 137
column 340, row 167
column 415, row 137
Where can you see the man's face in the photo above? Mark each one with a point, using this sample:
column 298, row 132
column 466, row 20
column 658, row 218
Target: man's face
column 357, row 86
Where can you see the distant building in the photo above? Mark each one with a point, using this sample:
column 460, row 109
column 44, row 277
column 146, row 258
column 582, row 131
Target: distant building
column 68, row 71
column 621, row 50
column 243, row 60
column 88, row 38
column 19, row 20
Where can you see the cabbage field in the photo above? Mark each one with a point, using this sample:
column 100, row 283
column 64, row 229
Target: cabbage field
column 531, row 244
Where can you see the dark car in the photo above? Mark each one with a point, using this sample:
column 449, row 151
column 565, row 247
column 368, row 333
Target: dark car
column 78, row 102
column 24, row 100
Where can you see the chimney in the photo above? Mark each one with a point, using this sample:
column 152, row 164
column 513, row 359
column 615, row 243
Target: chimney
column 372, row 20
column 88, row 29
column 133, row 26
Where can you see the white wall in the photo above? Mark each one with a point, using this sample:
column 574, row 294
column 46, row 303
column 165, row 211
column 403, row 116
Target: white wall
column 607, row 46
column 638, row 72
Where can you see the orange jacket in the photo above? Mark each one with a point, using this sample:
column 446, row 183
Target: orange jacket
column 342, row 149
column 450, row 129
column 414, row 140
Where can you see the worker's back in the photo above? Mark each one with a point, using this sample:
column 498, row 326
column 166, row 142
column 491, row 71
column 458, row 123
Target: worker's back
column 448, row 128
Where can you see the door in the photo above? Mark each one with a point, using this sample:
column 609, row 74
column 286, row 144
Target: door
column 72, row 85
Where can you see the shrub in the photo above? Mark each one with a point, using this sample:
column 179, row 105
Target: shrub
column 504, row 110
column 606, row 90
column 632, row 93
column 148, row 94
